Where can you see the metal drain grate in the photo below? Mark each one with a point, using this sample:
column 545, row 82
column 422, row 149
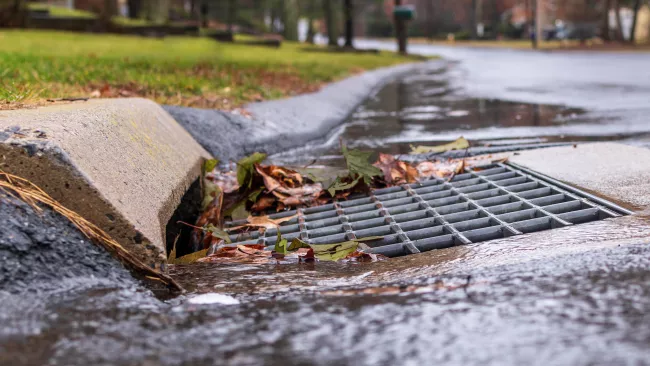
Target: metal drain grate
column 496, row 202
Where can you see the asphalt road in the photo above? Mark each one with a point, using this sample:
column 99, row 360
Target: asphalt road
column 590, row 80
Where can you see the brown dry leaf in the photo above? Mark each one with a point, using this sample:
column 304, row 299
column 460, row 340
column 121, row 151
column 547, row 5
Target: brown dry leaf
column 287, row 185
column 263, row 203
column 396, row 172
column 440, row 169
column 251, row 254
column 262, row 222
column 212, row 215
column 450, row 167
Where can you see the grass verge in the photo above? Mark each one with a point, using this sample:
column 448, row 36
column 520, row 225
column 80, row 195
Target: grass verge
column 187, row 71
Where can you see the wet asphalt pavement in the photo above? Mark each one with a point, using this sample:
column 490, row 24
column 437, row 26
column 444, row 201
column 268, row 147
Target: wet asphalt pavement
column 578, row 295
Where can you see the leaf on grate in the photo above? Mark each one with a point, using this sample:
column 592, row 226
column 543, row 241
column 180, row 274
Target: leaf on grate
column 340, row 185
column 262, row 222
column 288, row 186
column 338, row 251
column 358, row 163
column 218, row 233
column 246, row 168
column 263, row 203
column 396, row 172
column 281, row 245
column 460, row 144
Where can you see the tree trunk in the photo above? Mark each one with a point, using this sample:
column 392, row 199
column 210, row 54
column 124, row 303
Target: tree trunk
column 606, row 33
column 637, row 5
column 290, row 20
column 204, row 14
column 134, row 8
column 348, row 10
column 495, row 17
column 430, row 19
column 232, row 14
column 619, row 26
column 472, row 19
column 332, row 34
column 311, row 33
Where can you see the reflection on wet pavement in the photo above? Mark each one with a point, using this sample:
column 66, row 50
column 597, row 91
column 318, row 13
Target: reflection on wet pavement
column 424, row 108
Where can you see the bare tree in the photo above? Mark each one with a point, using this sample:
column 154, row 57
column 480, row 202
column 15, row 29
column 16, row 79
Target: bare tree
column 619, row 25
column 637, row 5
column 472, row 19
column 606, row 25
column 232, row 14
column 348, row 10
column 330, row 23
column 310, row 12
column 290, row 19
column 430, row 18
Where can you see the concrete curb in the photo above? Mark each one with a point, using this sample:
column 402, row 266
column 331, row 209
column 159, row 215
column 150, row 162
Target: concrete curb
column 282, row 124
column 123, row 164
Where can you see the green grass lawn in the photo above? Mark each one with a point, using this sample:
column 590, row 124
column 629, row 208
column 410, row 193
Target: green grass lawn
column 176, row 70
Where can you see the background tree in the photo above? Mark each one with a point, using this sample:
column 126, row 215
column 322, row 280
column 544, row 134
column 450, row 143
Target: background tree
column 232, row 15
column 619, row 23
column 330, row 23
column 348, row 11
column 606, row 25
column 473, row 10
column 637, row 6
column 290, row 19
column 311, row 12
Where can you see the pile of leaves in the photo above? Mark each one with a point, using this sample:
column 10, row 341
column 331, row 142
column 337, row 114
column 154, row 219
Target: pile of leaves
column 246, row 192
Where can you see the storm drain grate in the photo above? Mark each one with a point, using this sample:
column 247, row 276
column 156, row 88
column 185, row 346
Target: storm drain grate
column 495, row 202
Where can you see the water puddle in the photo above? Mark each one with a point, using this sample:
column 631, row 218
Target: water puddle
column 425, row 109
column 256, row 280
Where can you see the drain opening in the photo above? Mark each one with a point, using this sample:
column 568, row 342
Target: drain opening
column 479, row 205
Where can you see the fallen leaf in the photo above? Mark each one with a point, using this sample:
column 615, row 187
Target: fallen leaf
column 211, row 215
column 460, row 144
column 358, row 163
column 246, row 167
column 190, row 258
column 250, row 254
column 209, row 165
column 440, row 169
column 396, row 172
column 263, row 222
column 334, row 252
column 263, row 203
column 339, row 185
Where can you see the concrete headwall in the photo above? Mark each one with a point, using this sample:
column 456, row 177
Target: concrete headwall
column 123, row 164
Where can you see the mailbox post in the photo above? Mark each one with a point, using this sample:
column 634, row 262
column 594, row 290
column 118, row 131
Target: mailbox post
column 402, row 14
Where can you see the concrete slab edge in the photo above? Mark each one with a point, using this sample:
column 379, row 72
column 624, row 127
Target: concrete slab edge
column 123, row 164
